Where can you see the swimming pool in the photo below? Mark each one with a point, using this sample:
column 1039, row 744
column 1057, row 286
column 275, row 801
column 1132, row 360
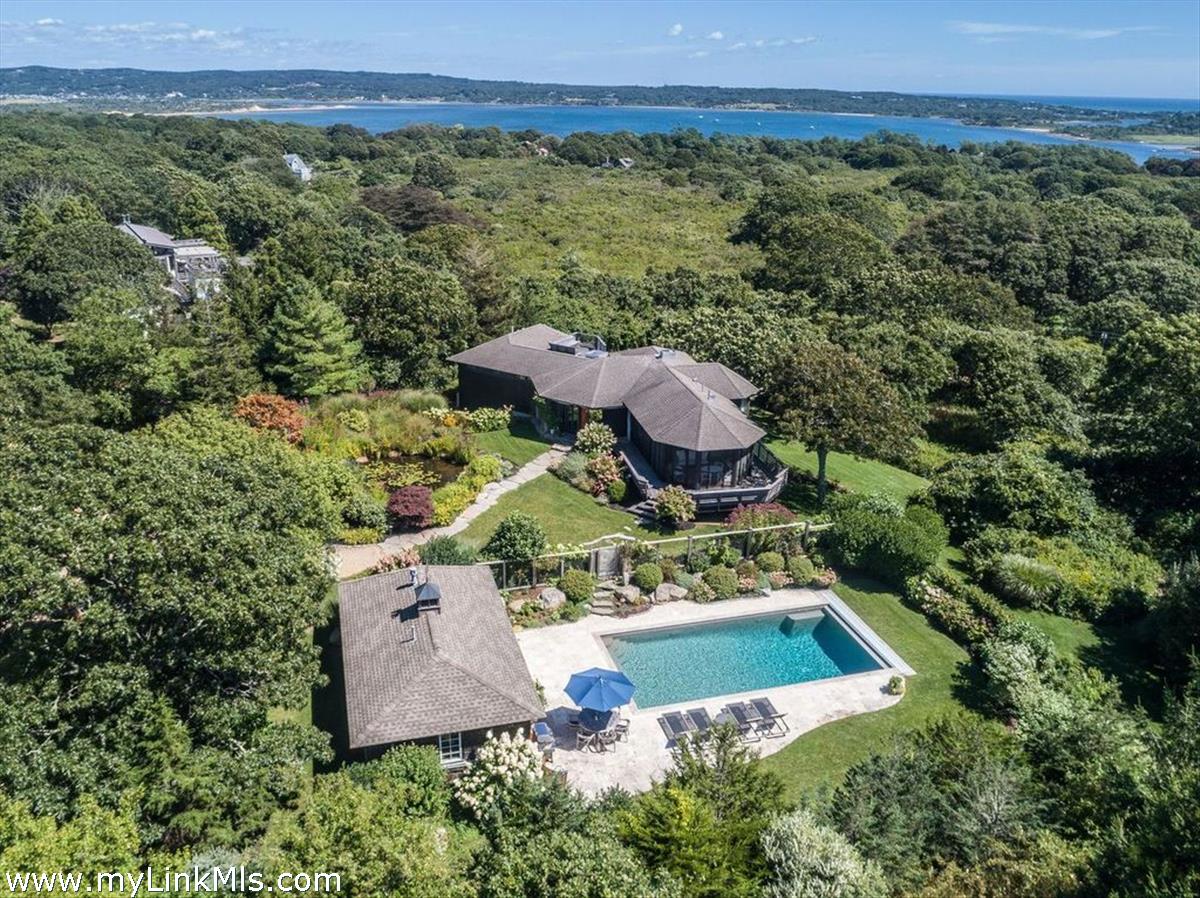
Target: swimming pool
column 681, row 664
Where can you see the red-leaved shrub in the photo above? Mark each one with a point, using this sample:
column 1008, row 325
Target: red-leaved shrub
column 266, row 411
column 412, row 507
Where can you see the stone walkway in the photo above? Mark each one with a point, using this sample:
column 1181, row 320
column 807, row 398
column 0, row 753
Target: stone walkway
column 351, row 560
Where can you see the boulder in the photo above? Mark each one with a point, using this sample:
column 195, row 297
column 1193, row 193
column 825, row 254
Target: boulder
column 551, row 598
column 628, row 594
column 515, row 605
column 668, row 592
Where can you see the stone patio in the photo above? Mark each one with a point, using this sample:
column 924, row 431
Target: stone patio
column 554, row 653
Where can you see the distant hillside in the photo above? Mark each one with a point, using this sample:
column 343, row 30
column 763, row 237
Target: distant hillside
column 139, row 88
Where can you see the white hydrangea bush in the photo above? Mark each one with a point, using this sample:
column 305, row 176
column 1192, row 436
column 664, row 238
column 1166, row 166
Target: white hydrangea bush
column 499, row 764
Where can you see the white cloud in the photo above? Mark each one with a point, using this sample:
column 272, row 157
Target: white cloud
column 765, row 44
column 675, row 30
column 716, row 36
column 47, row 23
column 993, row 31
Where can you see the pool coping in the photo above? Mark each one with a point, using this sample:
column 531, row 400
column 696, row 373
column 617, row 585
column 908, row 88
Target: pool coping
column 831, row 604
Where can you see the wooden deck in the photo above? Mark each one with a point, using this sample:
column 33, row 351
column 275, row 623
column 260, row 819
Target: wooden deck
column 714, row 499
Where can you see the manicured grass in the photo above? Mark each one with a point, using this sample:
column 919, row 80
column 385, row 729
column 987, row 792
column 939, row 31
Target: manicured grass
column 860, row 475
column 822, row 756
column 519, row 444
column 568, row 515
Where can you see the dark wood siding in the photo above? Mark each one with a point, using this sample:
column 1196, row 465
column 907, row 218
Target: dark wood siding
column 479, row 387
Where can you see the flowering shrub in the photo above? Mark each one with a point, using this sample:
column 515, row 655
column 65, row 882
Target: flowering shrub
column 603, row 470
column 473, row 420
column 762, row 514
column 572, row 469
column 406, row 557
column 701, row 592
column 673, row 505
column 778, row 579
column 484, row 419
column 266, row 411
column 411, row 507
column 500, row 767
column 595, row 439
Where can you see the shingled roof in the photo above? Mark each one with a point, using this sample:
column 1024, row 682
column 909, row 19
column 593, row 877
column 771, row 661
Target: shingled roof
column 413, row 675
column 676, row 399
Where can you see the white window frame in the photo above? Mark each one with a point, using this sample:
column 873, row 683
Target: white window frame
column 450, row 748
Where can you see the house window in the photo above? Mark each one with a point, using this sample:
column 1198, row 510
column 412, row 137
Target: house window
column 450, row 747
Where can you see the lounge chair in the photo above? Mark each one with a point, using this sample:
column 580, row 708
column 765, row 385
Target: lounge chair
column 701, row 721
column 675, row 725
column 775, row 723
column 621, row 728
column 745, row 722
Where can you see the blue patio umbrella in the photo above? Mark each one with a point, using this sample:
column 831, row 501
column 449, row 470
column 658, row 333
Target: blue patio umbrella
column 598, row 689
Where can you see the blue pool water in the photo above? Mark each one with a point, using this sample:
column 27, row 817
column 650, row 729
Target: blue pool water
column 681, row 664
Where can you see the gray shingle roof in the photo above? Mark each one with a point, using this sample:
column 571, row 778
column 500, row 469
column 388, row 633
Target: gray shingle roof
column 414, row 676
column 678, row 410
column 147, row 235
column 675, row 409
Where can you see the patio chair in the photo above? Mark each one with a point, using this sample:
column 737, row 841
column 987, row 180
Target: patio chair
column 674, row 725
column 767, row 709
column 584, row 740
column 701, row 721
column 746, row 723
column 621, row 728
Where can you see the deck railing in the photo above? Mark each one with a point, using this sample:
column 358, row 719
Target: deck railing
column 597, row 556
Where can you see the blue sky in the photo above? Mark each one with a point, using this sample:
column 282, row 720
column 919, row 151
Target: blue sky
column 1082, row 47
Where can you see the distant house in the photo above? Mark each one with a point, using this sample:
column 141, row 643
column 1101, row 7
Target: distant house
column 298, row 166
column 196, row 268
column 430, row 659
column 680, row 421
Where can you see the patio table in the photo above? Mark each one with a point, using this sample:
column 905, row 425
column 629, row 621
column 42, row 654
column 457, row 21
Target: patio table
column 595, row 721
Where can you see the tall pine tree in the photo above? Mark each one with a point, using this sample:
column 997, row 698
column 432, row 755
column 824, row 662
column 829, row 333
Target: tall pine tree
column 311, row 350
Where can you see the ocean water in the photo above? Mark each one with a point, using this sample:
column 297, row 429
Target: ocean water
column 564, row 120
column 687, row 663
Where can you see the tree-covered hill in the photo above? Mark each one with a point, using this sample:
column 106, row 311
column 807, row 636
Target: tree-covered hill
column 319, row 84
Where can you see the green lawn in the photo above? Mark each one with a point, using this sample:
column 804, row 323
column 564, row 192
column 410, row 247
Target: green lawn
column 1114, row 649
column 569, row 515
column 520, row 443
column 860, row 475
column 822, row 756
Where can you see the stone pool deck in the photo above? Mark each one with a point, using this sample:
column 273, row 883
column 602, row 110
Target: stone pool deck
column 554, row 653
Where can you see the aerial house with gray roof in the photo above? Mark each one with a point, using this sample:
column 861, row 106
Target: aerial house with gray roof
column 679, row 421
column 429, row 658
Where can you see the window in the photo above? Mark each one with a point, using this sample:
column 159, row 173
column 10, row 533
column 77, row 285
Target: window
column 450, row 747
